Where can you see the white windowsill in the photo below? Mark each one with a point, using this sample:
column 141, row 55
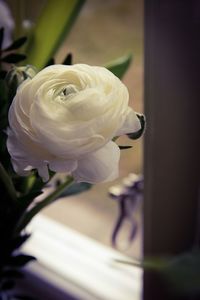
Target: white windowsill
column 78, row 265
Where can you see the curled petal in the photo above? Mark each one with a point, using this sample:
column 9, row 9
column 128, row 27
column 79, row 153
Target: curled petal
column 22, row 161
column 131, row 123
column 99, row 166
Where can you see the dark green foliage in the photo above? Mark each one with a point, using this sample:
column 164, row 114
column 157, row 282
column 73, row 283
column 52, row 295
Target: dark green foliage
column 1, row 37
column 12, row 87
column 183, row 273
column 120, row 66
column 25, row 200
column 75, row 188
column 50, row 62
column 6, row 95
column 18, row 241
column 138, row 134
column 51, row 30
column 16, row 44
column 13, row 58
column 68, row 59
column 20, row 260
column 3, row 104
column 3, row 74
column 125, row 147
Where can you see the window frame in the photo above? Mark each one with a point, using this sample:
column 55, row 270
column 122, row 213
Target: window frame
column 171, row 148
column 73, row 265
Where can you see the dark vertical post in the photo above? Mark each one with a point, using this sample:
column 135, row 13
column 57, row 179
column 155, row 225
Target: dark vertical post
column 172, row 108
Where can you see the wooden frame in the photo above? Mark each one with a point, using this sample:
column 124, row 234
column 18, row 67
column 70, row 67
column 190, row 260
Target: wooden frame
column 171, row 168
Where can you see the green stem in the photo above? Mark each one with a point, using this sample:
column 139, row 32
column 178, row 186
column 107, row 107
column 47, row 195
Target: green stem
column 19, row 16
column 8, row 183
column 27, row 217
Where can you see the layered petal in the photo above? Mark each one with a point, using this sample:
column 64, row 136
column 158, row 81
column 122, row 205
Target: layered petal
column 63, row 166
column 131, row 123
column 99, row 166
column 23, row 162
column 64, row 119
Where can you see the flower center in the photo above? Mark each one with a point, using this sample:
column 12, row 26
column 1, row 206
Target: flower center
column 67, row 91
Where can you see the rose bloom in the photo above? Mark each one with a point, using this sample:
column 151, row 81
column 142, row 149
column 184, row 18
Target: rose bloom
column 65, row 118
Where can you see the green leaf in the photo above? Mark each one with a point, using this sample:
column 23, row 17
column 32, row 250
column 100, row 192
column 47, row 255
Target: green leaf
column 8, row 184
column 3, row 94
column 52, row 27
column 28, row 198
column 138, row 134
column 119, row 66
column 183, row 273
column 35, row 183
column 75, row 188
column 1, row 36
column 13, row 58
column 17, row 44
column 19, row 241
column 50, row 62
column 3, row 74
column 12, row 82
column 27, row 217
column 20, row 260
column 68, row 59
column 125, row 147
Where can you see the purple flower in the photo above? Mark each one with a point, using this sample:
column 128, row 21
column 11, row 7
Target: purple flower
column 7, row 22
column 128, row 195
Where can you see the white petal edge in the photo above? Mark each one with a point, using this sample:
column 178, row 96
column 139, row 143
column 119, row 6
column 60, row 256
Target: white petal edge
column 131, row 123
column 99, row 166
column 21, row 160
column 62, row 166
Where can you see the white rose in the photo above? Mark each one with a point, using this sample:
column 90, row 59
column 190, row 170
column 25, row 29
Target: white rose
column 65, row 118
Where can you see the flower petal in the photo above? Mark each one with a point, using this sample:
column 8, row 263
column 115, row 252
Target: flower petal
column 131, row 123
column 99, row 166
column 22, row 161
column 20, row 167
column 63, row 166
column 43, row 171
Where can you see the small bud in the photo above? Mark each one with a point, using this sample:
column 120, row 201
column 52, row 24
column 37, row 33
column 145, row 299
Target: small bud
column 19, row 74
column 16, row 76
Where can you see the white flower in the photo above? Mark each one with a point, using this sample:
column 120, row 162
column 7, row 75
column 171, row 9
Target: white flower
column 65, row 118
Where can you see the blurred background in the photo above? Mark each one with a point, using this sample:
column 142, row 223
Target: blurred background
column 104, row 31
